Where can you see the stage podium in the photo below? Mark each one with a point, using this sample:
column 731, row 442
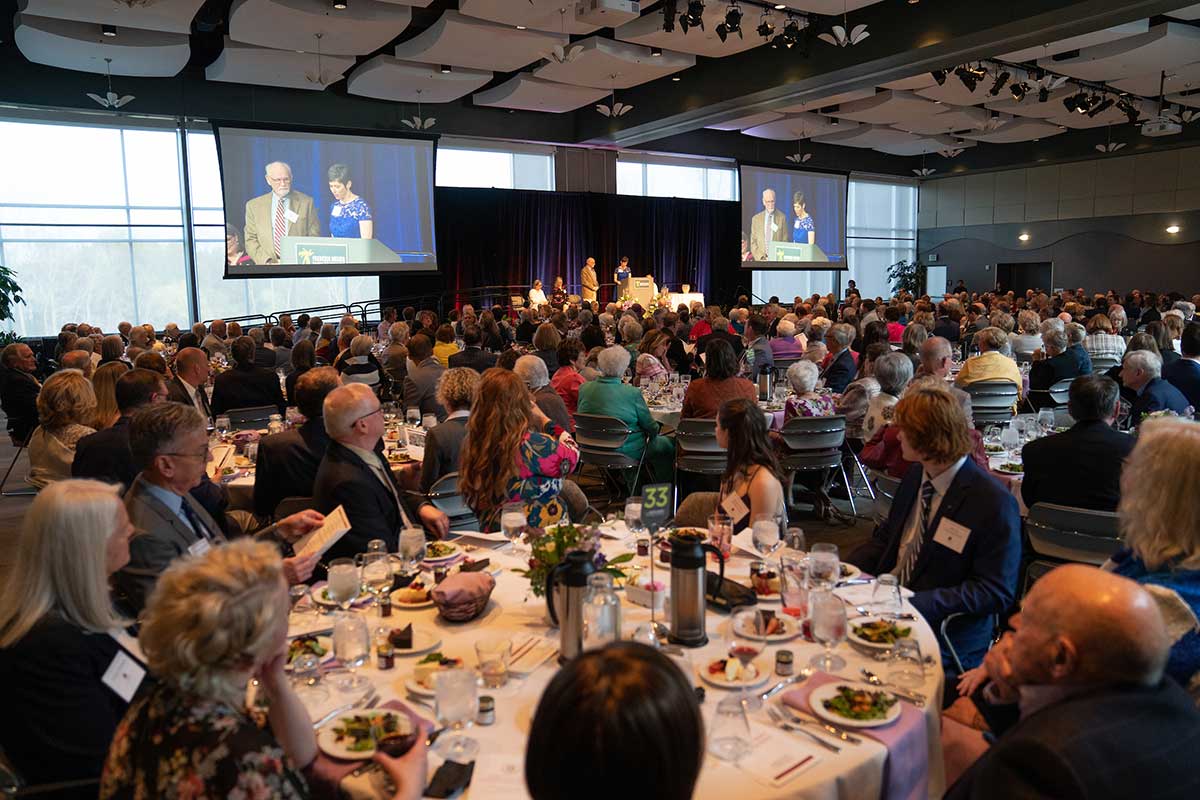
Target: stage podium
column 642, row 290
column 793, row 251
column 328, row 250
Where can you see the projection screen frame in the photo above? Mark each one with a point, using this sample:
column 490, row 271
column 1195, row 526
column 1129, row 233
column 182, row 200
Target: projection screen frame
column 784, row 266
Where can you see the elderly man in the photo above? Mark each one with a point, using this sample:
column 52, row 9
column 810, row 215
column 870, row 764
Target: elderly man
column 420, row 384
column 768, row 225
column 280, row 212
column 191, row 378
column 288, row 462
column 758, row 354
column 842, row 366
column 937, row 357
column 215, row 342
column 1184, row 374
column 354, row 475
column 588, row 281
column 80, row 360
column 991, row 364
column 537, row 378
column 1077, row 696
column 1050, row 365
column 19, row 390
column 246, row 386
column 170, row 444
column 1141, row 371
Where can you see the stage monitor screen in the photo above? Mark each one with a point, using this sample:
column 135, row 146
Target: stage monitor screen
column 793, row 219
column 302, row 204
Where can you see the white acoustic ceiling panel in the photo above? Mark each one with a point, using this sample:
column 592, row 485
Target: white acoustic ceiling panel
column 1180, row 79
column 956, row 119
column 741, row 123
column 797, row 126
column 1031, row 106
column 245, row 63
column 872, row 136
column 888, row 108
column 1189, row 13
column 954, row 93
column 527, row 93
column 606, row 64
column 80, row 46
column 387, row 78
column 924, row 145
column 1190, row 100
column 168, row 16
column 828, row 100
column 1165, row 46
column 829, row 7
column 648, row 30
column 469, row 42
column 1018, row 130
column 1077, row 42
column 919, row 81
column 542, row 15
column 360, row 28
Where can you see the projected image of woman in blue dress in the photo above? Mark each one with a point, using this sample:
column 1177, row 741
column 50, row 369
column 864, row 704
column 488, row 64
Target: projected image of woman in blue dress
column 349, row 216
column 803, row 231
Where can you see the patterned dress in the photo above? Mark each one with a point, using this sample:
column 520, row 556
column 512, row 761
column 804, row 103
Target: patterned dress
column 800, row 229
column 821, row 406
column 181, row 747
column 542, row 463
column 343, row 223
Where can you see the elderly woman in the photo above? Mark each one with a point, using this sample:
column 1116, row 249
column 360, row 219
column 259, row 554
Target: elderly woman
column 532, row 370
column 631, row 332
column 360, row 365
column 1030, row 338
column 456, row 390
column 55, row 621
column 884, row 452
column 805, row 401
column 572, row 360
column 66, row 408
column 854, row 402
column 816, row 351
column 546, row 340
column 608, row 396
column 787, row 344
column 1102, row 341
column 991, row 364
column 705, row 396
column 892, row 371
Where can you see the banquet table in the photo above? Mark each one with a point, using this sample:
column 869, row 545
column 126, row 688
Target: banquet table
column 856, row 772
column 668, row 415
column 678, row 298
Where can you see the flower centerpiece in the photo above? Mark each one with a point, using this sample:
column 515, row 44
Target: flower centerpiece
column 552, row 546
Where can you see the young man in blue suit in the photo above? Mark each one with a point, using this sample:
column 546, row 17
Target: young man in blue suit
column 953, row 535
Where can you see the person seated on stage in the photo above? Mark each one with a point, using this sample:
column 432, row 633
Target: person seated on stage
column 623, row 271
column 608, row 396
column 1184, row 374
column 1077, row 698
column 991, row 364
column 246, row 386
column 1050, row 365
column 558, row 294
column 349, row 216
column 66, row 404
column 953, row 534
column 1141, row 371
column 843, row 363
column 721, row 382
column 537, row 297
column 420, row 384
column 532, row 370
column 287, row 462
column 788, row 344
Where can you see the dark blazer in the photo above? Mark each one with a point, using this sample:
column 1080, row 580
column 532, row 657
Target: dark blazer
column 551, row 359
column 1184, row 375
column 1093, row 454
column 287, row 465
column 840, row 371
column 525, row 331
column 420, row 388
column 979, row 581
column 105, row 455
column 1110, row 744
column 290, row 384
column 443, row 445
column 734, row 340
column 177, row 393
column 264, row 357
column 344, row 479
column 1157, row 395
column 18, row 397
column 1169, row 357
column 946, row 328
column 1082, row 357
column 246, row 387
column 474, row 358
column 1049, row 371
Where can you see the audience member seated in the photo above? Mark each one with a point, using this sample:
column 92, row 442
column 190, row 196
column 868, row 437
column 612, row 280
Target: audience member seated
column 191, row 378
column 354, row 474
column 263, row 356
column 473, row 355
column 572, row 359
column 304, row 358
column 545, row 345
column 892, row 372
column 327, row 344
column 758, row 353
column 705, row 396
column 608, row 396
column 1141, row 371
column 444, row 346
column 1184, row 374
column 805, row 401
column 104, row 383
column 112, row 348
column 937, row 357
column 281, row 346
column 788, row 344
column 1030, row 337
column 852, row 403
column 1077, row 698
column 622, row 710
column 1055, row 364
column 80, row 360
column 991, row 364
column 842, row 363
column 443, row 444
column 55, row 647
column 1075, row 335
column 720, row 331
column 395, row 356
column 19, row 390
column 288, row 461
column 915, row 336
column 360, row 365
column 420, row 384
column 66, row 406
column 532, row 370
column 1101, row 340
column 947, row 325
column 1080, row 467
column 1162, row 339
column 514, row 454
column 883, row 452
column 215, row 342
column 105, row 454
column 948, row 496
column 245, row 385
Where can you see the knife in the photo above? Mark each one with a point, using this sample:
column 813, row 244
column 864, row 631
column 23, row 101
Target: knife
column 841, row 733
column 332, row 714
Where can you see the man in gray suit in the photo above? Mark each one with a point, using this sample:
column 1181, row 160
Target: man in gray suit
column 170, row 443
column 278, row 213
column 768, row 225
column 420, row 385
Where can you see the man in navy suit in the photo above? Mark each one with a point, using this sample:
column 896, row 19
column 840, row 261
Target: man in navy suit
column 1141, row 371
column 1184, row 374
column 953, row 535
column 841, row 369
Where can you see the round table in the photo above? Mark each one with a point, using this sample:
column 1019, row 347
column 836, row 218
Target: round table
column 241, row 487
column 668, row 416
column 856, row 772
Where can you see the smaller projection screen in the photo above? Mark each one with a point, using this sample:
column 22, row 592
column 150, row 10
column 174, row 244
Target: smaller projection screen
column 793, row 219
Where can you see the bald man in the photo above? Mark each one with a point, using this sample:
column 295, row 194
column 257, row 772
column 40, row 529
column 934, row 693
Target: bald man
column 1095, row 718
column 80, row 360
column 191, row 378
column 353, row 474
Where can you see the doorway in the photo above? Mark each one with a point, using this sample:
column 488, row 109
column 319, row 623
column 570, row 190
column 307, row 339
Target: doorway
column 1020, row 277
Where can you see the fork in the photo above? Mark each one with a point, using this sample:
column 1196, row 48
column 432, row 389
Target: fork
column 781, row 722
column 800, row 718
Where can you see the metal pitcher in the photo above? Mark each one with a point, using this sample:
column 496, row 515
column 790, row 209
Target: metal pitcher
column 687, row 588
column 566, row 586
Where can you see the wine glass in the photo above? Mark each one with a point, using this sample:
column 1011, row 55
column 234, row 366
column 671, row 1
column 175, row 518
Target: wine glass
column 1010, row 437
column 1045, row 420
column 221, row 423
column 513, row 521
column 825, row 568
column 457, row 704
column 765, row 534
column 344, row 583
column 827, row 616
column 745, row 649
column 377, row 573
column 351, row 647
column 412, row 550
column 729, row 737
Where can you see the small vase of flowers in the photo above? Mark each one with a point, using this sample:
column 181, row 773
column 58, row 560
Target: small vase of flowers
column 551, row 546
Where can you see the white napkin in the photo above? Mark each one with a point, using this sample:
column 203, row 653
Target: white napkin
column 531, row 654
column 861, row 594
column 777, row 757
column 615, row 529
column 480, row 536
column 502, row 774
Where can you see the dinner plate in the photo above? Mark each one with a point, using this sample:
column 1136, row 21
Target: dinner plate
column 1004, row 471
column 327, row 739
column 454, row 553
column 818, row 696
column 791, row 629
column 718, row 680
column 424, row 640
column 323, row 641
column 410, row 606
column 867, row 643
column 320, row 599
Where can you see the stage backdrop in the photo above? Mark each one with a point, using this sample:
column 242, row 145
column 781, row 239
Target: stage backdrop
column 488, row 237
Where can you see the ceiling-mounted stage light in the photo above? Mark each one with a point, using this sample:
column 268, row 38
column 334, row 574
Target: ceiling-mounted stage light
column 939, row 75
column 670, row 10
column 969, row 76
column 999, row 83
column 1019, row 90
column 1101, row 107
column 1126, row 107
column 766, row 26
column 731, row 24
column 1071, row 103
column 693, row 17
column 790, row 36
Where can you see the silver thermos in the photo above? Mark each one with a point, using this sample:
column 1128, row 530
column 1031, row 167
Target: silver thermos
column 764, row 382
column 566, row 586
column 687, row 588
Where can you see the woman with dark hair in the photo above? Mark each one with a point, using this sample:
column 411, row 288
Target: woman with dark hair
column 1162, row 337
column 443, row 345
column 235, row 254
column 872, row 333
column 803, row 231
column 751, row 479
column 895, row 328
column 720, row 383
column 304, row 358
column 493, row 339
column 349, row 216
column 623, row 712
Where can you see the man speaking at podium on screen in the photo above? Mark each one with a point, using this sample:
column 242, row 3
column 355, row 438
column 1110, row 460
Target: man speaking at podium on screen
column 278, row 213
column 768, row 225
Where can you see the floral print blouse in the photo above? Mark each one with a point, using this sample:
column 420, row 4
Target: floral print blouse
column 820, row 406
column 543, row 462
column 178, row 746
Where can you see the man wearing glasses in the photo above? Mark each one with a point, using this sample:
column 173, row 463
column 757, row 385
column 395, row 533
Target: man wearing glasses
column 278, row 213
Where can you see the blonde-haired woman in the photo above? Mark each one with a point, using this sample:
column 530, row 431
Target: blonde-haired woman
column 104, row 384
column 66, row 407
column 55, row 621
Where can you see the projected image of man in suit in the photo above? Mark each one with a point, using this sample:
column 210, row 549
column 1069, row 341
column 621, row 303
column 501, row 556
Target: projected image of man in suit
column 767, row 226
column 280, row 212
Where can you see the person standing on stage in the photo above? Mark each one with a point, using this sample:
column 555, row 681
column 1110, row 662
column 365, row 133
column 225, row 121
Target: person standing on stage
column 278, row 213
column 588, row 280
column 623, row 270
column 349, row 216
column 768, row 225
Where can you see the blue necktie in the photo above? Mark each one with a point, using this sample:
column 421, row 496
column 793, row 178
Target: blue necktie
column 914, row 548
column 194, row 520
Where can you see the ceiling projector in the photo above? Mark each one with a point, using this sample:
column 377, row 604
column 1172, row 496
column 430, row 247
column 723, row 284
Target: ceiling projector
column 607, row 13
column 1161, row 126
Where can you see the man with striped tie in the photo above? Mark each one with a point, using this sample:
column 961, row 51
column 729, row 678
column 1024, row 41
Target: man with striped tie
column 280, row 212
column 953, row 535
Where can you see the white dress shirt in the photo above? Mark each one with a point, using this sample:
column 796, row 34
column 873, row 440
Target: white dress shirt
column 371, row 459
column 537, row 297
column 941, row 484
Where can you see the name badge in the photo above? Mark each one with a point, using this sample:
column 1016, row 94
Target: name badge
column 123, row 675
column 292, row 216
column 950, row 534
column 774, row 227
column 337, row 211
column 199, row 547
column 796, row 225
column 734, row 507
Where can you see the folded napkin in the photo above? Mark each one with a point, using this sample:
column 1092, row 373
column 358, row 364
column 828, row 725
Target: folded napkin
column 777, row 758
column 861, row 594
column 906, row 771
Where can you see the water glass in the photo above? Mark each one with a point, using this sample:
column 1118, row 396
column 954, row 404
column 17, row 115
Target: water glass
column 907, row 666
column 793, row 585
column 633, row 515
column 1010, row 437
column 886, row 594
column 513, row 521
column 825, row 568
column 765, row 534
column 344, row 582
column 720, row 533
column 794, row 540
column 306, row 679
column 457, row 703
column 351, row 647
column 1045, row 419
column 494, row 654
column 377, row 573
column 429, row 421
column 827, row 616
column 729, row 735
column 377, row 546
column 252, row 452
column 412, row 549
column 221, row 423
column 412, row 416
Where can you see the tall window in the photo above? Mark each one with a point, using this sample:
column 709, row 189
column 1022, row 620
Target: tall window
column 654, row 176
column 497, row 166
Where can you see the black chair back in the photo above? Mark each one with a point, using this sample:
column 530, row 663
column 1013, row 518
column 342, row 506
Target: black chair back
column 813, row 443
column 600, row 438
column 241, row 419
column 445, row 498
column 696, row 448
column 291, row 505
column 992, row 401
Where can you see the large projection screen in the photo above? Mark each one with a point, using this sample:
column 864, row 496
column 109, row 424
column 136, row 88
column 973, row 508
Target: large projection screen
column 793, row 219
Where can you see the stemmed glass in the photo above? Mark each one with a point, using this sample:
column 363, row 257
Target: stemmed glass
column 412, row 550
column 827, row 616
column 344, row 582
column 765, row 534
column 745, row 649
column 296, row 594
column 457, row 704
column 1045, row 420
column 377, row 573
column 633, row 515
column 825, row 568
column 513, row 521
column 351, row 647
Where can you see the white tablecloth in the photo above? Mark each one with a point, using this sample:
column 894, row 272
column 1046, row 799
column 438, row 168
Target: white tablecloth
column 241, row 488
column 687, row 299
column 854, row 774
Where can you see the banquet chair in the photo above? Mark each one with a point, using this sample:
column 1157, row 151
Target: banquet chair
column 25, row 491
column 885, row 492
column 445, row 497
column 992, row 401
column 1104, row 363
column 1056, row 396
column 290, row 505
column 781, row 367
column 250, row 418
column 599, row 439
column 814, row 445
column 696, row 450
column 1060, row 534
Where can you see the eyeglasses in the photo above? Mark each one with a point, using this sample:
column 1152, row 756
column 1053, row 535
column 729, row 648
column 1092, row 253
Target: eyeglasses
column 203, row 455
column 377, row 410
column 285, row 179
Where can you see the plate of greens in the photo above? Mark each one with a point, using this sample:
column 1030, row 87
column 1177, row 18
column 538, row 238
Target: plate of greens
column 877, row 634
column 854, row 705
column 355, row 737
column 1011, row 468
column 436, row 552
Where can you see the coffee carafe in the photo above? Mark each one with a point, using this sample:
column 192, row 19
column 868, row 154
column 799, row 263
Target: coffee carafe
column 687, row 588
column 566, row 586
